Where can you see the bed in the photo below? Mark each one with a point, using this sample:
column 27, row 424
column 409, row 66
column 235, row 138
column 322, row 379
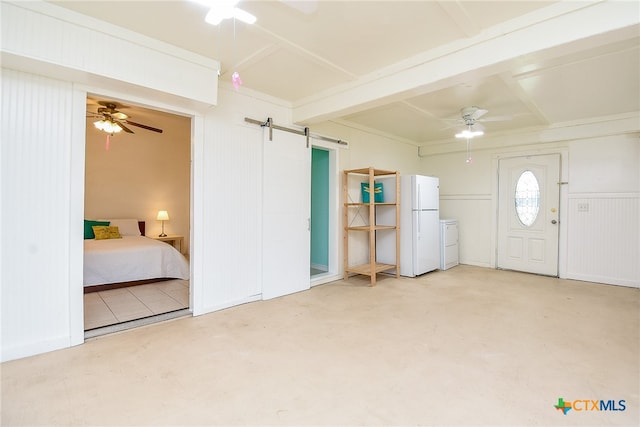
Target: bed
column 130, row 259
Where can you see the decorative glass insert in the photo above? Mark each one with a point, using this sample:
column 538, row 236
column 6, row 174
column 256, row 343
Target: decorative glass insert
column 527, row 198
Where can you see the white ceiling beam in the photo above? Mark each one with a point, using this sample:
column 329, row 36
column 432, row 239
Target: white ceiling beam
column 523, row 96
column 560, row 29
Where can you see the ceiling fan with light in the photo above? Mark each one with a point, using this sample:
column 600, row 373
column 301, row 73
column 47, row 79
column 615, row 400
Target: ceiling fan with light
column 225, row 9
column 470, row 118
column 220, row 10
column 111, row 121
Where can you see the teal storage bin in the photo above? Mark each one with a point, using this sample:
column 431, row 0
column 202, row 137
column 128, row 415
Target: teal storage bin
column 378, row 195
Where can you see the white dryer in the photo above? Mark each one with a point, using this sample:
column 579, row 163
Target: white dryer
column 448, row 243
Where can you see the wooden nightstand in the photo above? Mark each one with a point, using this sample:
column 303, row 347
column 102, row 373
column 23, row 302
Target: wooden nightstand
column 174, row 240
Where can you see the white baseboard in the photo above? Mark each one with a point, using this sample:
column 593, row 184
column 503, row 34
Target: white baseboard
column 31, row 349
column 603, row 280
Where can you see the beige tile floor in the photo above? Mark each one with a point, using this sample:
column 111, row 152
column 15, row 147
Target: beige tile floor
column 136, row 302
column 466, row 346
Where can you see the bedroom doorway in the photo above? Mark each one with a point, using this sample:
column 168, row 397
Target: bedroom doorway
column 135, row 174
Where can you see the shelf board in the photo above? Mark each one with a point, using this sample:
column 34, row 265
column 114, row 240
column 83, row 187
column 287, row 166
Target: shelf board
column 366, row 268
column 370, row 204
column 369, row 228
column 365, row 171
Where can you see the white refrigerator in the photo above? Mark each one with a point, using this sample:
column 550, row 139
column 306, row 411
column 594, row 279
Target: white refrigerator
column 419, row 224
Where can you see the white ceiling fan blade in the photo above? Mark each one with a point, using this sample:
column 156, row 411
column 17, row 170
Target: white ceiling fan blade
column 458, row 124
column 214, row 17
column 243, row 16
column 497, row 118
column 224, row 9
column 479, row 112
column 477, row 127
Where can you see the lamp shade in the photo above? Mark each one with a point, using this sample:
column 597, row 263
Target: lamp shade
column 162, row 216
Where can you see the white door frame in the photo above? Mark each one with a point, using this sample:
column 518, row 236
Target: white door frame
column 533, row 247
column 334, row 213
column 196, row 218
column 564, row 178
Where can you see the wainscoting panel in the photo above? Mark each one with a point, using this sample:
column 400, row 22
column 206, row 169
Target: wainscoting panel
column 36, row 158
column 604, row 238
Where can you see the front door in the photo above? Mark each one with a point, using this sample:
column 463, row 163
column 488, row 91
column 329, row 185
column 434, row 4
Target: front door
column 528, row 213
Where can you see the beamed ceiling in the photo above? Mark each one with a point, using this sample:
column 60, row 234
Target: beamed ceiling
column 406, row 68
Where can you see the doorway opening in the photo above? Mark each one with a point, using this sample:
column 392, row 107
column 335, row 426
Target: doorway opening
column 132, row 176
column 325, row 214
column 319, row 212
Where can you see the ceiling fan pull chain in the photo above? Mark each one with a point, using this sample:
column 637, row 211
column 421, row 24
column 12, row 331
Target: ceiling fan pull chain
column 236, row 80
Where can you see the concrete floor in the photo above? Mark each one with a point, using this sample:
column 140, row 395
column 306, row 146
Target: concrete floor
column 466, row 346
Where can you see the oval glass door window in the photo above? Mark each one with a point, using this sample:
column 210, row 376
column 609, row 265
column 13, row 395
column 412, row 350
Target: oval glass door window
column 527, row 198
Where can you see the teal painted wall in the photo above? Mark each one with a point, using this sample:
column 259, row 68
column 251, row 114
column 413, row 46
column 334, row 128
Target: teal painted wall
column 319, row 207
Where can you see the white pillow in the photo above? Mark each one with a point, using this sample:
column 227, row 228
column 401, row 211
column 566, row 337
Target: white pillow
column 127, row 227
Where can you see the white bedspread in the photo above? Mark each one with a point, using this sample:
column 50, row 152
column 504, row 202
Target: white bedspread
column 131, row 258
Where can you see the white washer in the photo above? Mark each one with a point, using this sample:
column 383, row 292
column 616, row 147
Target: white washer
column 448, row 243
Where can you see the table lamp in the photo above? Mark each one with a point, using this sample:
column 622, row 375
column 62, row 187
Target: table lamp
column 163, row 216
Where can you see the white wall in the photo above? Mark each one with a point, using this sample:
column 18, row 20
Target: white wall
column 66, row 45
column 40, row 231
column 233, row 187
column 367, row 149
column 228, row 169
column 42, row 157
column 604, row 210
column 602, row 245
column 466, row 195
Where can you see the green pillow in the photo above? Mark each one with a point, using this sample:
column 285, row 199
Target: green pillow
column 88, row 230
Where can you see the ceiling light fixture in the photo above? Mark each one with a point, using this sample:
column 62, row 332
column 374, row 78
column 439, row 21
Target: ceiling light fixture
column 468, row 133
column 107, row 126
column 225, row 9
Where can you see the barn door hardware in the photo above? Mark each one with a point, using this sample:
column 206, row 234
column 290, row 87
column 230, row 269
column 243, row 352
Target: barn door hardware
column 304, row 132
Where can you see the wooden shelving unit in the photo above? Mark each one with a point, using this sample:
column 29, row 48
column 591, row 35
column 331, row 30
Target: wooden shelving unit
column 351, row 208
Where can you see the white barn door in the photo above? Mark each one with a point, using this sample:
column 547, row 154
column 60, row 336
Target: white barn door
column 286, row 214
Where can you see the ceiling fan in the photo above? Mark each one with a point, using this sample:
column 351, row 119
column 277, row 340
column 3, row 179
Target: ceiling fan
column 472, row 118
column 111, row 121
column 469, row 117
column 220, row 10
